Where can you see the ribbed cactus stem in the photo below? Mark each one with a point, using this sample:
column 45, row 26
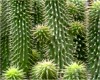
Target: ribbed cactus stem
column 61, row 47
column 21, row 33
column 94, row 40
column 4, row 39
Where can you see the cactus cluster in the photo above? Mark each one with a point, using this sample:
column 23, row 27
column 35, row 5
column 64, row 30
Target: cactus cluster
column 94, row 41
column 75, row 71
column 44, row 70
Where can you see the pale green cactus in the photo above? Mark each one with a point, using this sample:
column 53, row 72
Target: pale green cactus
column 44, row 70
column 75, row 71
column 13, row 73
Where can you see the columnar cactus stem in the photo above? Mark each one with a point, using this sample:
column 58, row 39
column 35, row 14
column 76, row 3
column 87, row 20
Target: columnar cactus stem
column 21, row 34
column 4, row 39
column 94, row 40
column 61, row 47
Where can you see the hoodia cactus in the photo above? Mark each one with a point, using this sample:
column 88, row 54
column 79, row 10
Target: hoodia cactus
column 21, row 34
column 61, row 44
column 94, row 40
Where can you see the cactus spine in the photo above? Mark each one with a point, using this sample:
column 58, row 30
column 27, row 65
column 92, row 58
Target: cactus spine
column 4, row 40
column 94, row 40
column 21, row 34
column 60, row 48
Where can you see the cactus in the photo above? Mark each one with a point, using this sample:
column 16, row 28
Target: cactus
column 4, row 37
column 44, row 70
column 76, row 8
column 38, row 12
column 35, row 56
column 41, row 37
column 61, row 44
column 13, row 73
column 75, row 72
column 94, row 40
column 78, row 31
column 21, row 33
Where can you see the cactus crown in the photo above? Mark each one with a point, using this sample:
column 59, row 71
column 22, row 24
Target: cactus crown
column 76, row 27
column 75, row 71
column 42, row 34
column 14, row 74
column 45, row 70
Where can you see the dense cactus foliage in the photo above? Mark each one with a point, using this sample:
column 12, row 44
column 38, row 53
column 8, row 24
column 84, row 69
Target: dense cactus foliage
column 61, row 47
column 78, row 31
column 44, row 70
column 21, row 34
column 76, row 9
column 13, row 73
column 38, row 12
column 94, row 40
column 75, row 72
column 4, row 39
column 41, row 37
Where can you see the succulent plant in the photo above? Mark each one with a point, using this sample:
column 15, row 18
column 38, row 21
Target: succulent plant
column 61, row 44
column 94, row 40
column 13, row 73
column 75, row 71
column 35, row 56
column 44, row 70
column 78, row 31
column 21, row 40
column 42, row 36
column 4, row 34
column 76, row 9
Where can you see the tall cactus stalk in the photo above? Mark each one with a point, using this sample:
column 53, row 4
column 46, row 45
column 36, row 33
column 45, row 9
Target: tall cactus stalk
column 21, row 34
column 61, row 47
column 38, row 12
column 94, row 40
column 4, row 37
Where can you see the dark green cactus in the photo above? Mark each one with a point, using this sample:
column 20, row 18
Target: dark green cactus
column 38, row 13
column 61, row 44
column 75, row 72
column 76, row 9
column 4, row 37
column 21, row 33
column 94, row 40
column 78, row 31
column 44, row 70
